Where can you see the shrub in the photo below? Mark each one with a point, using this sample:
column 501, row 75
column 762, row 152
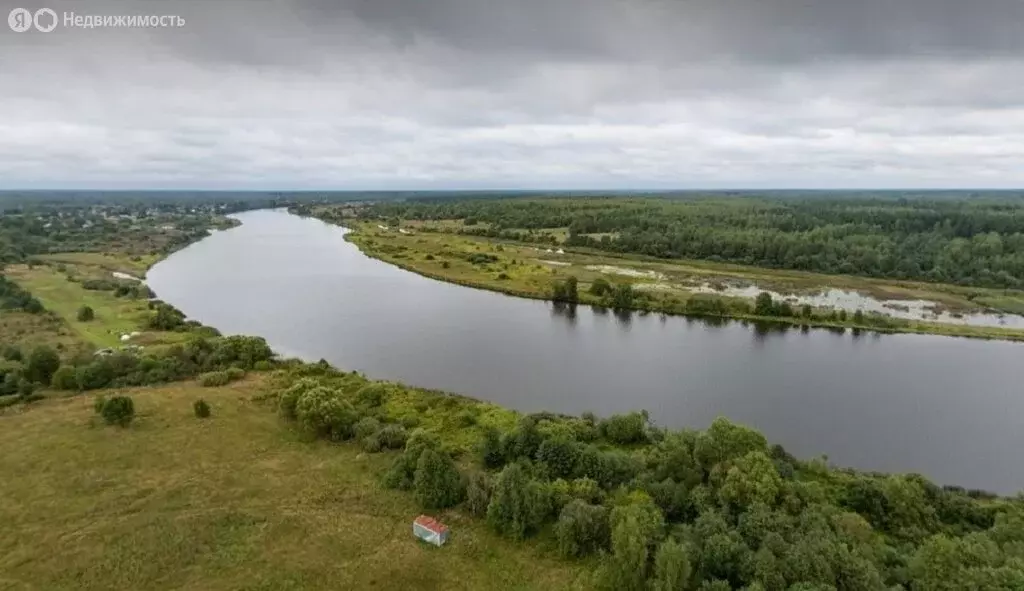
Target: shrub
column 437, row 483
column 85, row 314
column 119, row 410
column 560, row 456
column 466, row 418
column 523, row 441
column 446, row 265
column 235, row 373
column 288, row 399
column 41, row 364
column 600, row 287
column 371, row 395
column 324, row 413
column 263, row 365
column 201, row 408
column 519, row 504
column 582, row 529
column 214, row 379
column 366, row 427
column 624, row 429
column 478, row 493
column 671, row 566
column 12, row 353
column 503, row 276
column 64, row 378
column 392, row 436
column 371, row 443
column 491, row 451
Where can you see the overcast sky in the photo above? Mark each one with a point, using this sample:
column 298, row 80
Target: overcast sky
column 357, row 94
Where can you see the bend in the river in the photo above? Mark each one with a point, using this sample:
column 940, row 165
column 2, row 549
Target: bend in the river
column 948, row 408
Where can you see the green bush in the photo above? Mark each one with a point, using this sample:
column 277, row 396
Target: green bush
column 12, row 353
column 519, row 504
column 366, row 427
column 371, row 395
column 392, row 436
column 582, row 529
column 559, row 456
column 466, row 418
column 41, row 364
column 262, row 365
column 478, row 493
column 290, row 397
column 214, row 379
column 600, row 287
column 235, row 373
column 437, row 483
column 118, row 410
column 403, row 470
column 85, row 314
column 490, row 450
column 64, row 378
column 201, row 408
column 624, row 429
column 324, row 413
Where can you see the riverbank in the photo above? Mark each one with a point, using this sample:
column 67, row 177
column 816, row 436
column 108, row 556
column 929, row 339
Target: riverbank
column 528, row 271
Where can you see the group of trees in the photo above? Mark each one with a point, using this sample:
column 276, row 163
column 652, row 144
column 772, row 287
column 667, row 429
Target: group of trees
column 21, row 375
column 713, row 509
column 566, row 290
column 934, row 238
column 13, row 297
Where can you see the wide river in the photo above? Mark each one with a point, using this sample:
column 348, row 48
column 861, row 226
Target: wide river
column 949, row 408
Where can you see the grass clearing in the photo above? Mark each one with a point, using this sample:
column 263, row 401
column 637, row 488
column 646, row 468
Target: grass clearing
column 114, row 316
column 29, row 330
column 235, row 501
column 133, row 265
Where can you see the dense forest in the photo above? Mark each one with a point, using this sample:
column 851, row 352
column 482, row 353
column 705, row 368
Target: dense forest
column 673, row 510
column 967, row 241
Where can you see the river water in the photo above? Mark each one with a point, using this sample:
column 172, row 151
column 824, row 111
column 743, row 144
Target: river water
column 949, row 408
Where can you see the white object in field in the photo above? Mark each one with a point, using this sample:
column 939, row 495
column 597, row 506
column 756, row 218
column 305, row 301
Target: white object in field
column 430, row 530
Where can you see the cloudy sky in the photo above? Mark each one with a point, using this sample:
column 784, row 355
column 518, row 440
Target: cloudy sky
column 357, row 94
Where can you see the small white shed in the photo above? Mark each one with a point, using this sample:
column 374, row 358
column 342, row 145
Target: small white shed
column 430, row 530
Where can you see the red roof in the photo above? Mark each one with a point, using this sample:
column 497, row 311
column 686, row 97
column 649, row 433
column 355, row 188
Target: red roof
column 431, row 524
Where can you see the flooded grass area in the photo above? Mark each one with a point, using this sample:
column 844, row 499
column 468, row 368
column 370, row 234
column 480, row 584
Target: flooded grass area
column 529, row 269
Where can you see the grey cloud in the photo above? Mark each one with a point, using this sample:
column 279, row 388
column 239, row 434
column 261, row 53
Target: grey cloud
column 477, row 93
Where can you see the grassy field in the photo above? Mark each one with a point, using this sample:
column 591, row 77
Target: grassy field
column 529, row 270
column 236, row 501
column 114, row 316
column 30, row 330
column 136, row 265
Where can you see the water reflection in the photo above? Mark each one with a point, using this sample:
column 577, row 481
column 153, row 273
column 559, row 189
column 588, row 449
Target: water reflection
column 565, row 311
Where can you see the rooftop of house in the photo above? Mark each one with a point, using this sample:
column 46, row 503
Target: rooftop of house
column 431, row 524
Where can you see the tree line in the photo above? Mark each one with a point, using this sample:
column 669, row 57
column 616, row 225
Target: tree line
column 690, row 510
column 976, row 242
